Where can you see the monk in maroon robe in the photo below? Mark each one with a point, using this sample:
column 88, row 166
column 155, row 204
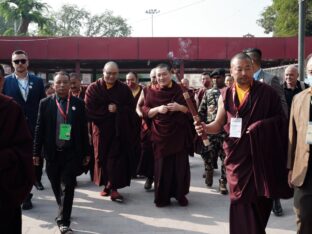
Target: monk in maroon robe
column 255, row 149
column 110, row 107
column 132, row 80
column 16, row 169
column 171, row 138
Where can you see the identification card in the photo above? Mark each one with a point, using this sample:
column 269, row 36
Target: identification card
column 236, row 127
column 309, row 133
column 65, row 132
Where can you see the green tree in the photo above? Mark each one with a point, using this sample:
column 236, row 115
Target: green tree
column 25, row 11
column 106, row 24
column 281, row 18
column 74, row 21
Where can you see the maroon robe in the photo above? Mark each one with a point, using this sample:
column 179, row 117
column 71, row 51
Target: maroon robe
column 16, row 168
column 256, row 162
column 172, row 141
column 112, row 133
column 146, row 163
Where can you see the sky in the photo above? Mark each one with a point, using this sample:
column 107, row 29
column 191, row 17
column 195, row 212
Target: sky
column 181, row 18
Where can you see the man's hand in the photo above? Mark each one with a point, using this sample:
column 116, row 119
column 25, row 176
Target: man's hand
column 112, row 108
column 289, row 179
column 86, row 160
column 174, row 106
column 200, row 128
column 162, row 109
column 36, row 161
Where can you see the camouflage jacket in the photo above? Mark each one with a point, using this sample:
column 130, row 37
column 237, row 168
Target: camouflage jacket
column 209, row 105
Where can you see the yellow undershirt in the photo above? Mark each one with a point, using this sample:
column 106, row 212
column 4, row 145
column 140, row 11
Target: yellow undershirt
column 109, row 86
column 241, row 93
column 136, row 91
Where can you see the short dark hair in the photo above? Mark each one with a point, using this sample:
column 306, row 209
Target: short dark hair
column 241, row 56
column 134, row 73
column 255, row 54
column 19, row 52
column 1, row 71
column 205, row 74
column 61, row 73
column 164, row 65
column 47, row 86
column 74, row 75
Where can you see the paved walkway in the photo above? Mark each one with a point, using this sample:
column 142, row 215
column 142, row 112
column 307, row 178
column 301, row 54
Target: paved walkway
column 207, row 211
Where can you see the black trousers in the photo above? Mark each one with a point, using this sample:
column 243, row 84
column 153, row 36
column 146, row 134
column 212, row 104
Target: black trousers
column 11, row 220
column 38, row 170
column 62, row 174
column 303, row 204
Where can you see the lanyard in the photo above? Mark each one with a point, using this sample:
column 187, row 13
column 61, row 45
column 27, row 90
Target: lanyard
column 24, row 89
column 64, row 115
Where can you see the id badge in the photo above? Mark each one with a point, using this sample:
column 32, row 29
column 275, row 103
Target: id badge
column 236, row 127
column 65, row 132
column 309, row 134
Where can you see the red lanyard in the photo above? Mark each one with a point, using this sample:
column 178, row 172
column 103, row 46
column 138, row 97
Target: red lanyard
column 64, row 115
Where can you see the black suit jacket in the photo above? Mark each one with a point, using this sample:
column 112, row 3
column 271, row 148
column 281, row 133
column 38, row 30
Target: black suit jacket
column 29, row 107
column 45, row 131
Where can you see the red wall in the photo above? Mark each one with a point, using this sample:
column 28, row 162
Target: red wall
column 83, row 48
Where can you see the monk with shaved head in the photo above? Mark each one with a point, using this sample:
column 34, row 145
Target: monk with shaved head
column 110, row 108
column 251, row 114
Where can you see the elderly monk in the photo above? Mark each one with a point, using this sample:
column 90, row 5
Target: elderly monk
column 251, row 114
column 111, row 109
column 171, row 137
column 16, row 170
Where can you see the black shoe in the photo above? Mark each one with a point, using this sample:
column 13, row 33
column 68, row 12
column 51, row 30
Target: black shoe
column 209, row 178
column 27, row 204
column 222, row 187
column 39, row 185
column 277, row 208
column 148, row 183
column 65, row 229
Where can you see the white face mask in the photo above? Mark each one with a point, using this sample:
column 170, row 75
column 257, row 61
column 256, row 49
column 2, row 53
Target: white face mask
column 308, row 80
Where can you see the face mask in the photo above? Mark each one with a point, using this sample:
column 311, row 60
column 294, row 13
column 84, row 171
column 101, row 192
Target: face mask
column 308, row 80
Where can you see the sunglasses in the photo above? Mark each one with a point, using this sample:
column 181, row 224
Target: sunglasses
column 18, row 61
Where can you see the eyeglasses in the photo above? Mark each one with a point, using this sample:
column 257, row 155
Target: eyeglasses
column 18, row 61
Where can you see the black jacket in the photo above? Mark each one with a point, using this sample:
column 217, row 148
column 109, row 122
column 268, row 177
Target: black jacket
column 45, row 131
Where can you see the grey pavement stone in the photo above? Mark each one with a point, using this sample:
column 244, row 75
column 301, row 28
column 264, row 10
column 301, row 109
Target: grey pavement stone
column 207, row 212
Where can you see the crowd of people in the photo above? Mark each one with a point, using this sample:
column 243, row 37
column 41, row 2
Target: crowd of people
column 121, row 130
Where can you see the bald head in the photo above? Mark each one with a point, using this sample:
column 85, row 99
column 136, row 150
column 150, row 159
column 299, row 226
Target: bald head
column 110, row 72
column 185, row 82
column 242, row 70
column 153, row 76
column 290, row 76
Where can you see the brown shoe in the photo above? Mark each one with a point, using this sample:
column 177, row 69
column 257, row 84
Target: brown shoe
column 106, row 192
column 115, row 196
column 209, row 177
column 222, row 187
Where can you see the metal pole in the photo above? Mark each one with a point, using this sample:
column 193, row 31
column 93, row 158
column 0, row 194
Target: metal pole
column 152, row 25
column 301, row 35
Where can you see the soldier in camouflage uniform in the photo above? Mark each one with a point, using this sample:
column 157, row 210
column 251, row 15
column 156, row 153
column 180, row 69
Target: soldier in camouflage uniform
column 207, row 111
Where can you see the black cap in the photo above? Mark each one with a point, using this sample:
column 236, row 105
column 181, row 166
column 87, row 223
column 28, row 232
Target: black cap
column 217, row 72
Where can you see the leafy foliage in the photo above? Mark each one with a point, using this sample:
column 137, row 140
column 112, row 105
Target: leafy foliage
column 281, row 18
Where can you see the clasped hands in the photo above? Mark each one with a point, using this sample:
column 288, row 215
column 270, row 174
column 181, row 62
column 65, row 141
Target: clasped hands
column 173, row 106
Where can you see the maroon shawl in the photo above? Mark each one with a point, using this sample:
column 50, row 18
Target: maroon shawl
column 256, row 162
column 16, row 168
column 112, row 132
column 171, row 132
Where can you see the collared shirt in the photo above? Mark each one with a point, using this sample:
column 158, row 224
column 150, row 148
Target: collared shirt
column 256, row 74
column 23, row 84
